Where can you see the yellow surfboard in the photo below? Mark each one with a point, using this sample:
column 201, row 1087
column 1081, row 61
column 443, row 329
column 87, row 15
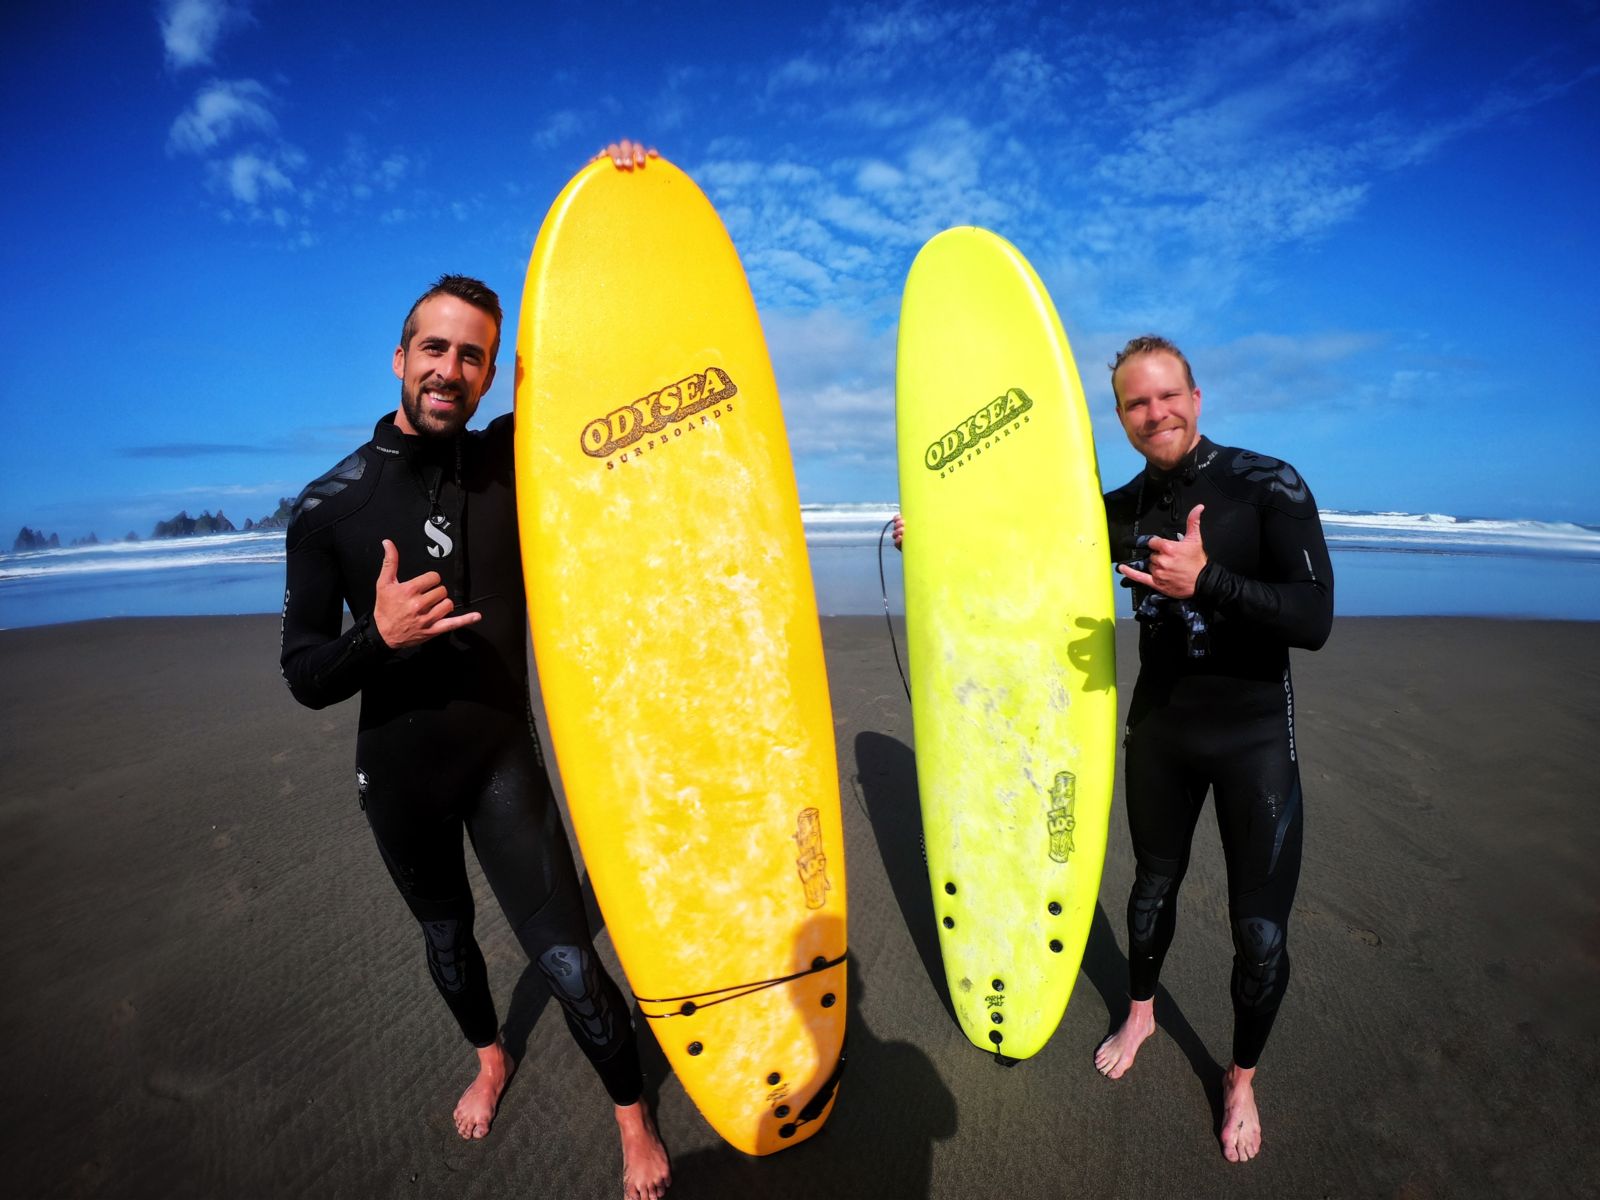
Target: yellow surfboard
column 679, row 653
column 1009, row 624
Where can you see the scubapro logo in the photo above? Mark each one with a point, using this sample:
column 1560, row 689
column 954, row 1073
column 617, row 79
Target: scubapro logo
column 624, row 426
column 434, row 529
column 988, row 421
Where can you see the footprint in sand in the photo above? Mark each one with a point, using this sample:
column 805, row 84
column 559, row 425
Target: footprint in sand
column 1365, row 936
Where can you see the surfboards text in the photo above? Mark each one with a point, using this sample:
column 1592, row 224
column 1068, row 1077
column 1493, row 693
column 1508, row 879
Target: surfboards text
column 989, row 420
column 650, row 414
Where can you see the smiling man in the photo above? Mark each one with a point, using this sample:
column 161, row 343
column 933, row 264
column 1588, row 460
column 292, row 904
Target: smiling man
column 416, row 532
column 1224, row 551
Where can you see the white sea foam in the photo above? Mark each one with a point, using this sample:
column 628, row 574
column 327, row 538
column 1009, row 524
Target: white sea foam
column 1438, row 533
column 165, row 554
column 836, row 525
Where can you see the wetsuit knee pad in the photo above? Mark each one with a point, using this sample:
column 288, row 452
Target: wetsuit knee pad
column 597, row 1016
column 1151, row 890
column 450, row 948
column 1261, row 963
column 457, row 968
column 579, row 987
column 1152, row 920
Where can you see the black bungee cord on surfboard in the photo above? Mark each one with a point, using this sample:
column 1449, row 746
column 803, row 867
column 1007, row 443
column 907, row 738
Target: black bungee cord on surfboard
column 692, row 1003
column 884, row 585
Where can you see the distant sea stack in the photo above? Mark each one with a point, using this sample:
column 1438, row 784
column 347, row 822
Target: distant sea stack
column 35, row 539
column 183, row 525
column 279, row 519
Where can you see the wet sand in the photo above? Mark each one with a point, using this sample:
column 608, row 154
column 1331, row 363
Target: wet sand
column 214, row 990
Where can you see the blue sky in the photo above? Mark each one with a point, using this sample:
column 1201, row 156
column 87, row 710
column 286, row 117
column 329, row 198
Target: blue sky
column 1372, row 224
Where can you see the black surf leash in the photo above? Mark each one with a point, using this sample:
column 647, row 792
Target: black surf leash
column 884, row 585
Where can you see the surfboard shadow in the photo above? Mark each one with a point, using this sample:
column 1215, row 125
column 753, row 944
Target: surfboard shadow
column 891, row 1108
column 886, row 771
column 1095, row 653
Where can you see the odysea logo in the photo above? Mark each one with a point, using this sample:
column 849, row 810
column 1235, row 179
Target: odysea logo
column 987, row 421
column 651, row 414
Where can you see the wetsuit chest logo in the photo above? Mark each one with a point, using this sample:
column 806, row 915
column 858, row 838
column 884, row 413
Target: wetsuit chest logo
column 437, row 530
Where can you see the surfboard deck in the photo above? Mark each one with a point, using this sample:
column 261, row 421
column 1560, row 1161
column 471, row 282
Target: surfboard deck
column 1009, row 623
column 678, row 647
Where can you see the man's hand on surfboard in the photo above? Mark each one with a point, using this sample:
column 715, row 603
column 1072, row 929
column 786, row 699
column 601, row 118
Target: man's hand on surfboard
column 627, row 154
column 1174, row 564
column 899, row 531
column 411, row 612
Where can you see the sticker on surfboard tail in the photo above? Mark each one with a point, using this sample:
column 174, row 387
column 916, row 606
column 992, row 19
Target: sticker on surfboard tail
column 1062, row 819
column 812, row 862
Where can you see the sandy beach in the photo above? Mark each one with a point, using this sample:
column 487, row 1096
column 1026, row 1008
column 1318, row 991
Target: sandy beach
column 214, row 990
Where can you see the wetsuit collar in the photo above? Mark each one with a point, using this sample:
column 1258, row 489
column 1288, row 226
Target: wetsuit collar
column 1187, row 467
column 387, row 438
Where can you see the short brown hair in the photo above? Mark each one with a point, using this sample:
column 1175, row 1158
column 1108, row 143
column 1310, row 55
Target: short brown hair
column 463, row 287
column 1148, row 343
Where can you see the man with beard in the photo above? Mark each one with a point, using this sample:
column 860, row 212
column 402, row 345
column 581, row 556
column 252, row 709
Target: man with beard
column 446, row 738
column 1224, row 551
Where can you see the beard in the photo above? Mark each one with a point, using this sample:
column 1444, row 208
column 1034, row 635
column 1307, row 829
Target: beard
column 433, row 424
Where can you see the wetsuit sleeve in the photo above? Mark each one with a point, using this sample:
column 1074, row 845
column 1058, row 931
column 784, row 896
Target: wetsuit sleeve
column 321, row 665
column 1298, row 605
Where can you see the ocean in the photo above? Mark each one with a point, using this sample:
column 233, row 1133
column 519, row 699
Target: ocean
column 1385, row 564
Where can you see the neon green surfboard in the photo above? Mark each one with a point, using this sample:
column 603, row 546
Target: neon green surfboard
column 1009, row 623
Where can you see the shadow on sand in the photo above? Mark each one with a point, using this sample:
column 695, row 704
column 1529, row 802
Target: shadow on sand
column 886, row 773
column 892, row 1108
column 1107, row 969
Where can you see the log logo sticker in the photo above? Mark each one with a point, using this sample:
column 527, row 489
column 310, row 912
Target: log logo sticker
column 812, row 862
column 995, row 420
column 660, row 418
column 1062, row 821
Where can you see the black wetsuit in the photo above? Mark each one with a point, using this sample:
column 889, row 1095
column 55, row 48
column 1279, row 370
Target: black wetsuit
column 1214, row 708
column 446, row 739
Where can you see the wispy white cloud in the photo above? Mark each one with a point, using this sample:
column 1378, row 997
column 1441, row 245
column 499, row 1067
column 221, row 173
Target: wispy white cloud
column 1155, row 181
column 219, row 111
column 1266, row 371
column 191, row 29
column 559, row 127
column 253, row 177
column 835, row 375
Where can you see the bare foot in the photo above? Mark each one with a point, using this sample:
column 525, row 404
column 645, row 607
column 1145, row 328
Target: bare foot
column 1115, row 1054
column 646, row 1173
column 475, row 1109
column 1241, row 1123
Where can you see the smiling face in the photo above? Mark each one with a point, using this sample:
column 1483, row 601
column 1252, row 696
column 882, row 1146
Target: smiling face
column 445, row 368
column 1158, row 407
